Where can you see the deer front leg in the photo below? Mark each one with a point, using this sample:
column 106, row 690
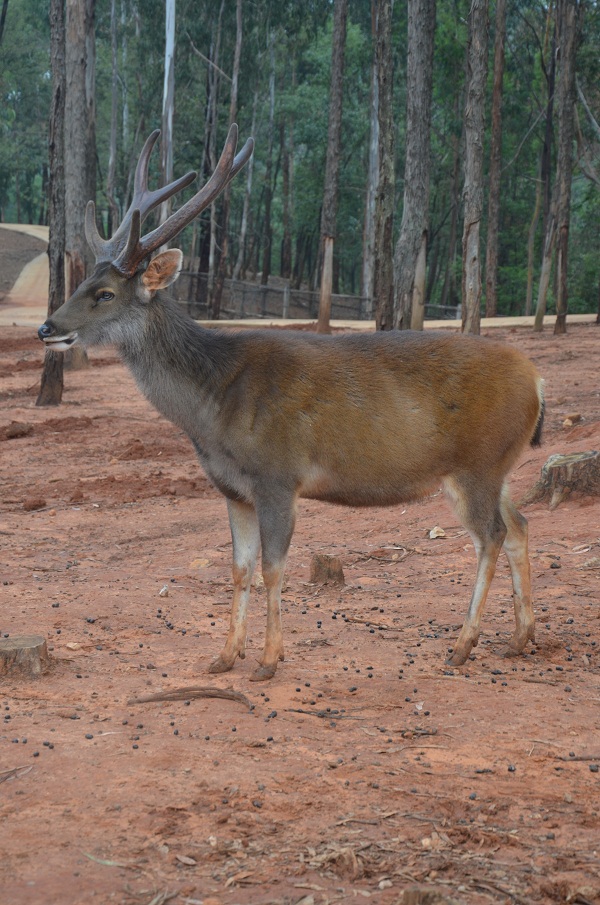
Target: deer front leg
column 246, row 545
column 277, row 518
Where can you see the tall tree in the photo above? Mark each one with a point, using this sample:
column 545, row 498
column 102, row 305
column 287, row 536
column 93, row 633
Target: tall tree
column 477, row 51
column 491, row 254
column 226, row 196
column 329, row 212
column 76, row 140
column 3, row 18
column 367, row 275
column 411, row 250
column 168, row 105
column 267, row 249
column 51, row 387
column 558, row 220
column 567, row 17
column 383, row 253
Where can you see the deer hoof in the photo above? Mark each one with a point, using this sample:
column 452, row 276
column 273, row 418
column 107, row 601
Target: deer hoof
column 221, row 665
column 261, row 673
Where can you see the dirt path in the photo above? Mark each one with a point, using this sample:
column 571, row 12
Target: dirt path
column 366, row 765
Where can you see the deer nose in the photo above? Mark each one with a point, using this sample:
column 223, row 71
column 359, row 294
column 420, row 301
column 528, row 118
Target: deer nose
column 45, row 331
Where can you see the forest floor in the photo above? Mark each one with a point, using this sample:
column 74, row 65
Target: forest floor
column 366, row 766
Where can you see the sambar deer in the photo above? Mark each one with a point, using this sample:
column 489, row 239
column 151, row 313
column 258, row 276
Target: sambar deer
column 361, row 420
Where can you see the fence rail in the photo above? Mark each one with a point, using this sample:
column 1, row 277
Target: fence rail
column 244, row 299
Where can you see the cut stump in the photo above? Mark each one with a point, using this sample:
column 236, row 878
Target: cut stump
column 326, row 570
column 563, row 475
column 24, row 655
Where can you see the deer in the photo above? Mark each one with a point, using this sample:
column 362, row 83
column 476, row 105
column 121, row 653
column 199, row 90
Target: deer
column 356, row 419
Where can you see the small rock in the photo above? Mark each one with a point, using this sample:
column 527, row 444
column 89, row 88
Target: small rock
column 436, row 532
column 164, row 591
column 32, row 503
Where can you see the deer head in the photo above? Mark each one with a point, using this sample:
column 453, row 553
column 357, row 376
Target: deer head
column 109, row 303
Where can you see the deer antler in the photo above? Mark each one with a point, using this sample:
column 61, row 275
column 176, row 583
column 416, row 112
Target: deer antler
column 127, row 248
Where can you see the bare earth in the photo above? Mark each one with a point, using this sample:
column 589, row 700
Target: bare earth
column 366, row 766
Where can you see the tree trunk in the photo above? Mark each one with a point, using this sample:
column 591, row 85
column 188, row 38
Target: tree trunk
column 211, row 143
column 90, row 98
column 226, row 196
column 113, row 219
column 540, row 309
column 77, row 149
column 367, row 274
column 52, row 375
column 3, row 19
column 531, row 246
column 491, row 256
column 567, row 12
column 267, row 231
column 166, row 148
column 329, row 212
column 473, row 190
column 383, row 251
column 412, row 241
column 244, row 224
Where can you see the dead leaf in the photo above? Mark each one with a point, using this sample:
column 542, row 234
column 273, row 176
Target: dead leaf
column 183, row 859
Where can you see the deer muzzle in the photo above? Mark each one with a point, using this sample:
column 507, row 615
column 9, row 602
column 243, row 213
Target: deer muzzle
column 52, row 339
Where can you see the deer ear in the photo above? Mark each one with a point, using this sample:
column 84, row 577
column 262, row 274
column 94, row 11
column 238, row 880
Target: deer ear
column 162, row 270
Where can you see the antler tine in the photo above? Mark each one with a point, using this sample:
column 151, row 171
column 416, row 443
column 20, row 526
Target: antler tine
column 144, row 200
column 137, row 249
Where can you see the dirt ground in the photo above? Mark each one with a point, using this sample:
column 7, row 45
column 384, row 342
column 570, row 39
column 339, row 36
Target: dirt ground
column 366, row 766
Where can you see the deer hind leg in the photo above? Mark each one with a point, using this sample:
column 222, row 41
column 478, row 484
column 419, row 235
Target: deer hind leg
column 515, row 546
column 478, row 506
column 246, row 545
column 277, row 520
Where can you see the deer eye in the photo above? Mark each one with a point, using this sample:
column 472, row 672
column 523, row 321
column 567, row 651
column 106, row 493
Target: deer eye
column 105, row 295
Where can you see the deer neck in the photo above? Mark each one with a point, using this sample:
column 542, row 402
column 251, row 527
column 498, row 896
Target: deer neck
column 180, row 367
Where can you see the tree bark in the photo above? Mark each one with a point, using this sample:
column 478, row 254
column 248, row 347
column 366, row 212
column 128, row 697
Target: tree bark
column 245, row 210
column 267, row 231
column 329, row 212
column 52, row 375
column 383, row 252
column 531, row 244
column 113, row 207
column 567, row 12
column 473, row 190
column 367, row 274
column 3, row 19
column 491, row 255
column 226, row 196
column 166, row 148
column 24, row 655
column 77, row 155
column 412, row 241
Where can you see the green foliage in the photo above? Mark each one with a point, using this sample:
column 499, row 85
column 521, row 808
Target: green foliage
column 302, row 46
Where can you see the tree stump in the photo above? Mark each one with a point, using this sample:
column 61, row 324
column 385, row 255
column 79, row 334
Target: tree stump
column 25, row 655
column 563, row 475
column 326, row 570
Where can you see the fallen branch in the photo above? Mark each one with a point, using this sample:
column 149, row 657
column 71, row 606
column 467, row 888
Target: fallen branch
column 195, row 691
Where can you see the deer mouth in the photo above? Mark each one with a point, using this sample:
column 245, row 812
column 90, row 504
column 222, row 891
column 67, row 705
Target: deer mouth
column 60, row 343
